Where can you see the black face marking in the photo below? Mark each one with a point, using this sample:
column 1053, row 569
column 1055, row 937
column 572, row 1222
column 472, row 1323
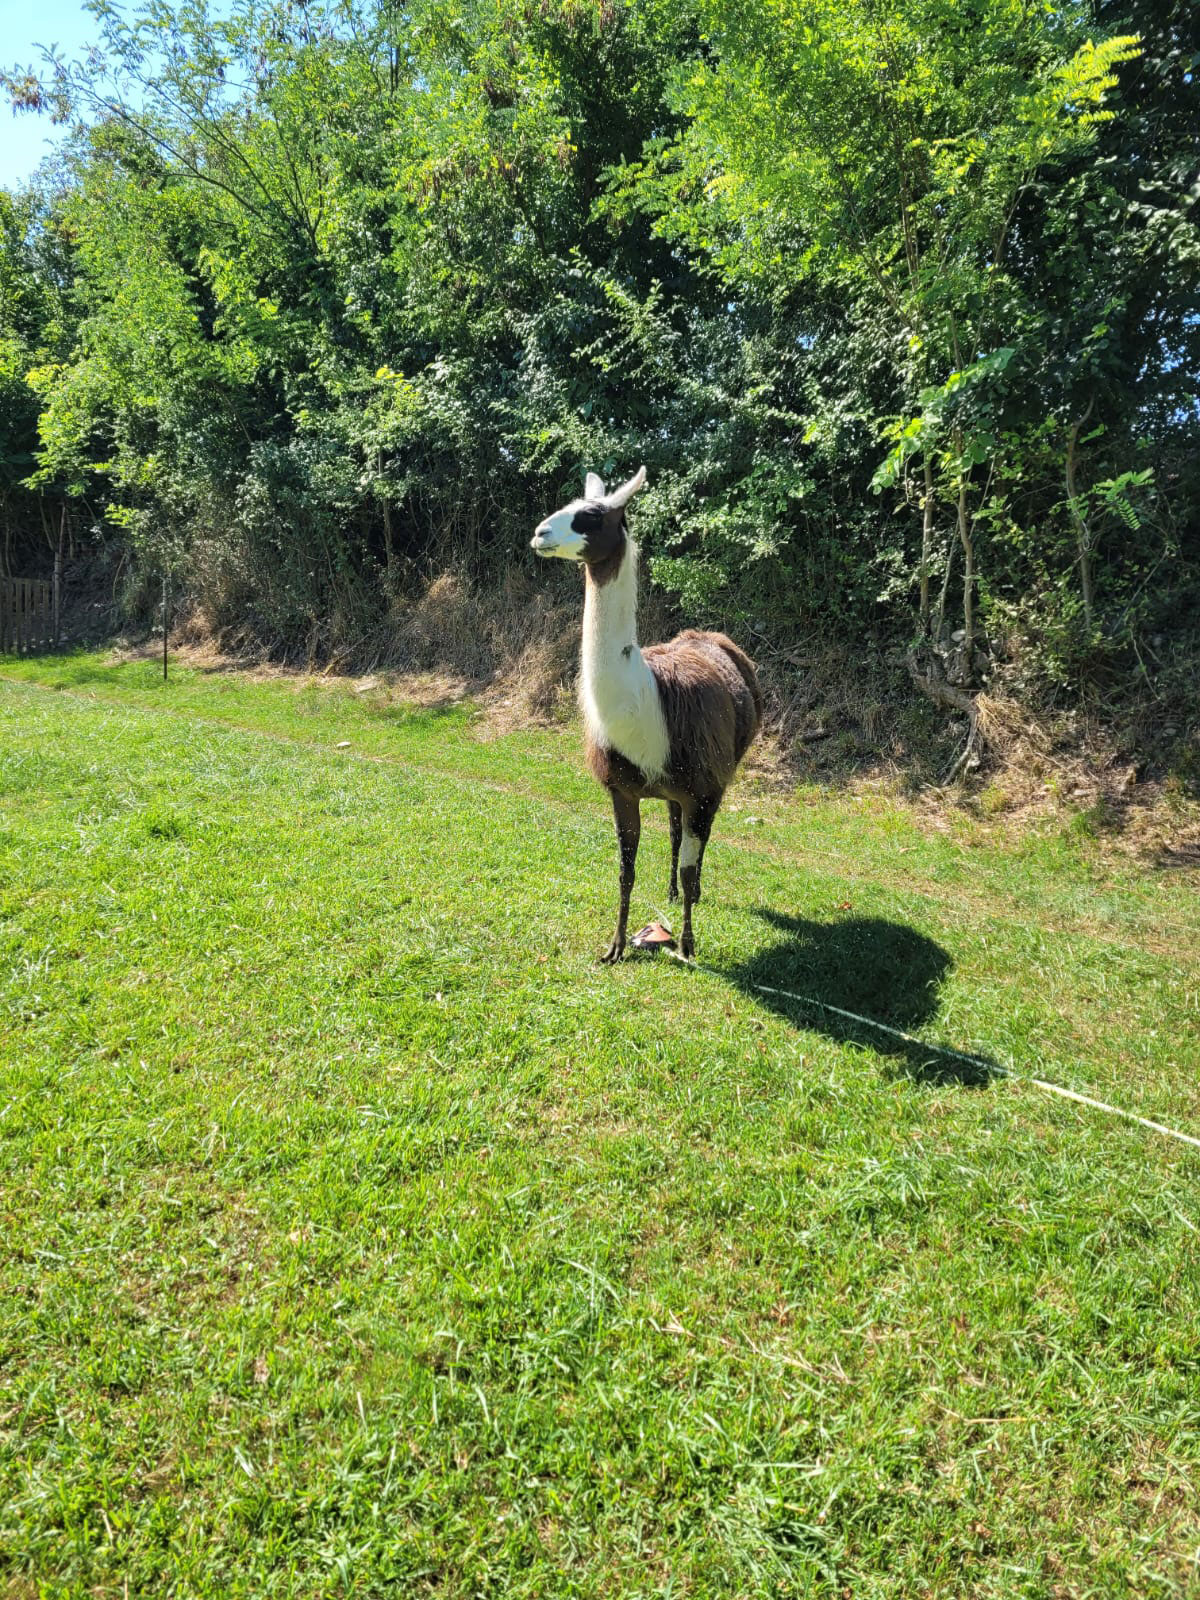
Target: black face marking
column 604, row 539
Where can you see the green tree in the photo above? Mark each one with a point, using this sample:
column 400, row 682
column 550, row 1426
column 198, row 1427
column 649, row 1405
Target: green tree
column 879, row 152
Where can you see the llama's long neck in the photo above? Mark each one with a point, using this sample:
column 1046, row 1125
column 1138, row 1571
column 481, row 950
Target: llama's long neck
column 610, row 617
column 618, row 692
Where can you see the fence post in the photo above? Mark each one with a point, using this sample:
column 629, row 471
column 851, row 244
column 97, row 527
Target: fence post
column 27, row 615
column 58, row 566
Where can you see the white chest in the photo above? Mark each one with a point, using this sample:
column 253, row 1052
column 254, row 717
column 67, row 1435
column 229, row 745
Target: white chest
column 617, row 691
column 623, row 710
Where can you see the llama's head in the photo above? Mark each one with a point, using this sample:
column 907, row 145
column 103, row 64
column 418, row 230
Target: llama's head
column 591, row 529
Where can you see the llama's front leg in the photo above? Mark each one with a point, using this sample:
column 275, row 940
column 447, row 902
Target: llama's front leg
column 696, row 829
column 627, row 814
column 675, row 818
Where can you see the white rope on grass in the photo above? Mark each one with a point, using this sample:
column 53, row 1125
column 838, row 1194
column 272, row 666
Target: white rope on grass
column 959, row 1055
column 1102, row 1105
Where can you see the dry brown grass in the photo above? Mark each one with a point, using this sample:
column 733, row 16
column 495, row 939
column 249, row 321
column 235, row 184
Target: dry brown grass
column 513, row 646
column 1078, row 769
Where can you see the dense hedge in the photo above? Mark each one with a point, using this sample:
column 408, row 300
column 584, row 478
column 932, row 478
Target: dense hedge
column 898, row 302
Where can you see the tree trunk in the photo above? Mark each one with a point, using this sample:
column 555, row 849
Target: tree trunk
column 1083, row 532
column 932, row 683
column 941, row 610
column 388, row 546
column 926, row 542
column 967, row 541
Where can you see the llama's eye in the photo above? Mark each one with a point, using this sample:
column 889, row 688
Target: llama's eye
column 587, row 521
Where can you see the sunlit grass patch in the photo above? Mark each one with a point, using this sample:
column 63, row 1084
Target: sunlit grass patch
column 361, row 1235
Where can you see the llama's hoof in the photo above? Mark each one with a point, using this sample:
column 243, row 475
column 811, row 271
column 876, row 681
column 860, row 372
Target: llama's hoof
column 673, row 892
column 613, row 954
column 687, row 945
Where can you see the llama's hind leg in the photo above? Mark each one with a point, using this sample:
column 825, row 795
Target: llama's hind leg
column 627, row 813
column 675, row 818
column 696, row 828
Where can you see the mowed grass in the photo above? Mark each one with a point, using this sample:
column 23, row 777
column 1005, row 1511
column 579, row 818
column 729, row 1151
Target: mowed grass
column 362, row 1236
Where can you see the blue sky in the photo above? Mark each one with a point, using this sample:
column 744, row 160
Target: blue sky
column 24, row 24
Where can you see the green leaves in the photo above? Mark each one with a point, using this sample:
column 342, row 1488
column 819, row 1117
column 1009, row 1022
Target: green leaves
column 335, row 293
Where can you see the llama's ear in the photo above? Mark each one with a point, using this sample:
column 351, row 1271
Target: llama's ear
column 594, row 487
column 623, row 495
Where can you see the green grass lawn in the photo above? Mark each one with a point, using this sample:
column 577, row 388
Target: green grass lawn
column 362, row 1236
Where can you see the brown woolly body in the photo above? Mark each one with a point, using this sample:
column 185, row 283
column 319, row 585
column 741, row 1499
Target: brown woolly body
column 713, row 708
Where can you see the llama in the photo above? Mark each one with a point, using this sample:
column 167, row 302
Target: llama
column 670, row 722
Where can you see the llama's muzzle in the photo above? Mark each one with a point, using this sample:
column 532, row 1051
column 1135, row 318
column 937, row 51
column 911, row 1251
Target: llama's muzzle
column 557, row 535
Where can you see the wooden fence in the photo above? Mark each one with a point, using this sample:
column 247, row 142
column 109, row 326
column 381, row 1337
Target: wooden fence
column 28, row 620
